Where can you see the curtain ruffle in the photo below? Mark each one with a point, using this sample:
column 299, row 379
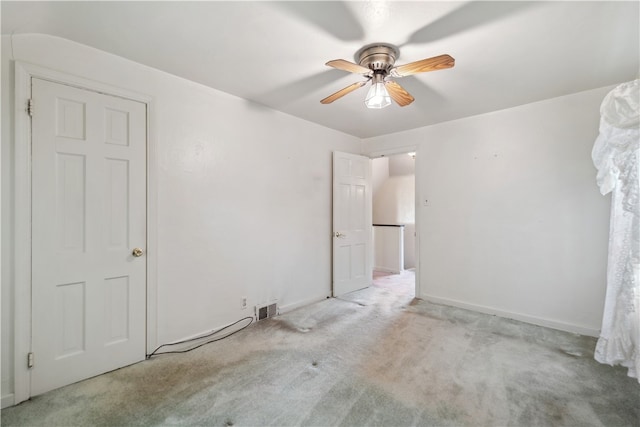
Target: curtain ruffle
column 616, row 155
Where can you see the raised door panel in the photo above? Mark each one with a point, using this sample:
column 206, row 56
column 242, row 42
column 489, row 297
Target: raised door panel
column 116, row 199
column 117, row 295
column 70, row 318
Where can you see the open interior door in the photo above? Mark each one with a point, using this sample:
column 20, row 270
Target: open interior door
column 352, row 237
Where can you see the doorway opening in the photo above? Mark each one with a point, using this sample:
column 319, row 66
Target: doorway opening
column 394, row 223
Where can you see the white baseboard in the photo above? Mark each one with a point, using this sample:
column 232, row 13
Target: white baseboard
column 8, row 400
column 281, row 309
column 290, row 307
column 553, row 324
column 387, row 270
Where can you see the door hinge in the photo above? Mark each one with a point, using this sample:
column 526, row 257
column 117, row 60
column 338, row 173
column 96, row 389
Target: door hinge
column 29, row 360
column 30, row 107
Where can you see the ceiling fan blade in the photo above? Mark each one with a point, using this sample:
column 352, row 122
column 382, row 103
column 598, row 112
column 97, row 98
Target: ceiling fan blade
column 335, row 18
column 398, row 94
column 430, row 64
column 342, row 92
column 344, row 65
column 464, row 18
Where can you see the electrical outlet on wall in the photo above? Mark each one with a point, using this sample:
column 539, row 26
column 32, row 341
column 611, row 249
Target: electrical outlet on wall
column 243, row 303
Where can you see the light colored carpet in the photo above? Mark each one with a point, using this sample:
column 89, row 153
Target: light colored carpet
column 375, row 357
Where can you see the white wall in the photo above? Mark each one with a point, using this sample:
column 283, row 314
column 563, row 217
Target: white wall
column 379, row 174
column 511, row 221
column 402, row 164
column 243, row 194
column 388, row 248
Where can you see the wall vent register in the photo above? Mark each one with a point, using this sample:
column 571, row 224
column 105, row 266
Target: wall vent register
column 267, row 311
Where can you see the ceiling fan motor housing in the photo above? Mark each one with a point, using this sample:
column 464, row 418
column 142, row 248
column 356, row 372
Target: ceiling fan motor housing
column 378, row 57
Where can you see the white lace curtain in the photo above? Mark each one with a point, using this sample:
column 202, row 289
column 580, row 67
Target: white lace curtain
column 616, row 156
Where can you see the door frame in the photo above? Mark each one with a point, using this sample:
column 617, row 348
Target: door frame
column 417, row 197
column 22, row 315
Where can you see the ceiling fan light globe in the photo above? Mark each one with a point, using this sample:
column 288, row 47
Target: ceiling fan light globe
column 377, row 97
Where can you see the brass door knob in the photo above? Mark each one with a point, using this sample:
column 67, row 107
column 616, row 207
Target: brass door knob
column 137, row 252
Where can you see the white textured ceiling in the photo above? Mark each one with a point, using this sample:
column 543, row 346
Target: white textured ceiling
column 273, row 53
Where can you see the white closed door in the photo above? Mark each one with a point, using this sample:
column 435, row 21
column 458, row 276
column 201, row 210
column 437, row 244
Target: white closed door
column 88, row 217
column 352, row 228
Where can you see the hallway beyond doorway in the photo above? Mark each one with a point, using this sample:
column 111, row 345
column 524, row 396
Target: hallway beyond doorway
column 403, row 283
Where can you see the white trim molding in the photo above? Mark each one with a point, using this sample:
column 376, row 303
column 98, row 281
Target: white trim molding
column 24, row 72
column 22, row 230
column 539, row 321
column 7, row 400
column 392, row 151
column 290, row 307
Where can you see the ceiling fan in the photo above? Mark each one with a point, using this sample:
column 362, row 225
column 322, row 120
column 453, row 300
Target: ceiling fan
column 377, row 63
